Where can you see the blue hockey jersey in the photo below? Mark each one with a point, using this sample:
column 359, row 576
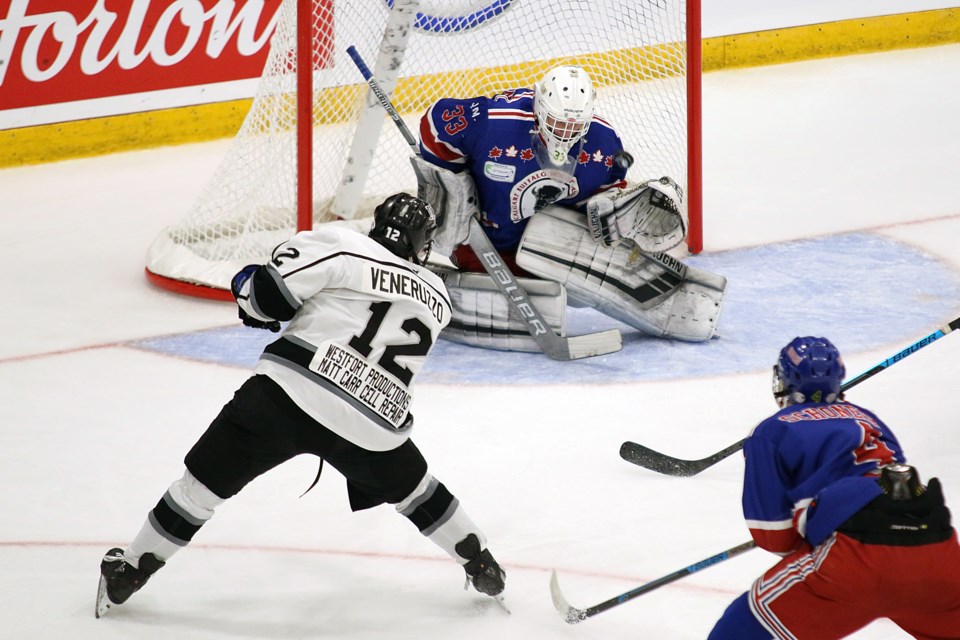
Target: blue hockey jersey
column 495, row 140
column 809, row 467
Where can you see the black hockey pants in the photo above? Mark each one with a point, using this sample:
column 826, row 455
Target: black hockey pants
column 262, row 427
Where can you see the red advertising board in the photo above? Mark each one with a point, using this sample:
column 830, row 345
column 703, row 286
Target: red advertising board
column 54, row 51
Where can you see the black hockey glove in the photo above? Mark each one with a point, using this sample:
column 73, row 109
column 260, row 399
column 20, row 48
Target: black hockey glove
column 272, row 325
column 241, row 277
column 235, row 285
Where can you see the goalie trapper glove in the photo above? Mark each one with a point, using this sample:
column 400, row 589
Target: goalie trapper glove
column 235, row 286
column 659, row 225
column 647, row 215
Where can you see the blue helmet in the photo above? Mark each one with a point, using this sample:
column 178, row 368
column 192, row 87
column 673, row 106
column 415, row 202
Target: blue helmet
column 809, row 370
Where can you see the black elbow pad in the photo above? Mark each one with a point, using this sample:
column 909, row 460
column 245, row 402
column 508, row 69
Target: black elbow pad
column 270, row 297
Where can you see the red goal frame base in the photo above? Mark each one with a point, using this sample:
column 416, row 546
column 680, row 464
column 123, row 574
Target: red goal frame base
column 186, row 288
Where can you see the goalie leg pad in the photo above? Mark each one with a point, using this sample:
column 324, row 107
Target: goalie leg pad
column 619, row 281
column 483, row 317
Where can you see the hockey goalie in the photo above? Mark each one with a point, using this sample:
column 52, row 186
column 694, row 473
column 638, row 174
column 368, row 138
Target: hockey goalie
column 546, row 178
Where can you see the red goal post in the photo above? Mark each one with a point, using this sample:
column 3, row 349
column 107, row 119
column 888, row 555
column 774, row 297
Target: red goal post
column 312, row 115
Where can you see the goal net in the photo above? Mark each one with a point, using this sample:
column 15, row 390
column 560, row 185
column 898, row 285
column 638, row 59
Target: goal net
column 338, row 155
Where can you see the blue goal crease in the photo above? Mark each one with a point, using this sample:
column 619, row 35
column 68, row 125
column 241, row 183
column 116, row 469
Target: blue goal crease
column 860, row 290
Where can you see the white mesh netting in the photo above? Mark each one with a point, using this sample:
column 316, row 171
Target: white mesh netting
column 634, row 50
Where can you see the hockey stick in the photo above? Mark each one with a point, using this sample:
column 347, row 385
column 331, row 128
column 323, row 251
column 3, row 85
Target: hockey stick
column 662, row 463
column 553, row 345
column 573, row 615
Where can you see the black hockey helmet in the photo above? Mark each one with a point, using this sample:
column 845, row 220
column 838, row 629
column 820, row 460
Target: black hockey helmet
column 405, row 225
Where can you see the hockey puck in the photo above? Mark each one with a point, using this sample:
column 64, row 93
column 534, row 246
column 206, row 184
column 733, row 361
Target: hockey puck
column 622, row 160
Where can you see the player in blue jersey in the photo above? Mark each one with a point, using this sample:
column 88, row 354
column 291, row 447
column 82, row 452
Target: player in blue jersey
column 826, row 487
column 513, row 168
column 547, row 179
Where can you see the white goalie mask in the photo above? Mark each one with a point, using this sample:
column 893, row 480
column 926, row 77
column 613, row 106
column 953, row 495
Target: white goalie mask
column 563, row 104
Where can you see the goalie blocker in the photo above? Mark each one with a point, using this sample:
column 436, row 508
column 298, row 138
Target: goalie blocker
column 619, row 281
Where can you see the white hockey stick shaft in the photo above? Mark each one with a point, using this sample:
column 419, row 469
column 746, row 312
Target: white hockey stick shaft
column 393, row 47
column 553, row 345
column 383, row 98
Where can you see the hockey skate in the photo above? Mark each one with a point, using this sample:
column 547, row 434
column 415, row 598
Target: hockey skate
column 482, row 570
column 119, row 579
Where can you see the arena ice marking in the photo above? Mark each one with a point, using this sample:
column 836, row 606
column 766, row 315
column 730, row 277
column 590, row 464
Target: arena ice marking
column 862, row 290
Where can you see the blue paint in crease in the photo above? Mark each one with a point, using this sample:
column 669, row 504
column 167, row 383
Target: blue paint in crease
column 861, row 290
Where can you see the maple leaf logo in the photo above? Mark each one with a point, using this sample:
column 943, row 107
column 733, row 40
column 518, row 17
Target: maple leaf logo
column 495, row 152
column 511, row 151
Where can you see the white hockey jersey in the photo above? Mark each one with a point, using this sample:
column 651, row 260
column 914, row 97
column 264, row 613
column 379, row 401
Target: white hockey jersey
column 362, row 322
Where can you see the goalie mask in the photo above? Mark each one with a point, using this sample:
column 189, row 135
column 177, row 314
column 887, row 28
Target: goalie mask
column 808, row 370
column 405, row 225
column 563, row 105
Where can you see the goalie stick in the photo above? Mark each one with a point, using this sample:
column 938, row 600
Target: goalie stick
column 573, row 615
column 662, row 463
column 554, row 346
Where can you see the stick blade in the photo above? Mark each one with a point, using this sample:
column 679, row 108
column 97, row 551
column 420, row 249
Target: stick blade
column 655, row 461
column 586, row 346
column 571, row 615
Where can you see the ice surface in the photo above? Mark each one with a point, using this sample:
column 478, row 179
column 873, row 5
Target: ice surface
column 831, row 205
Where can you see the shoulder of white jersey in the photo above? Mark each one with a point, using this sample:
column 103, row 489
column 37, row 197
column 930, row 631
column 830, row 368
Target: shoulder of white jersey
column 358, row 245
column 326, row 242
column 312, row 246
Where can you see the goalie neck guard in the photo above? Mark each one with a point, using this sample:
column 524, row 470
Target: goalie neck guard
column 405, row 225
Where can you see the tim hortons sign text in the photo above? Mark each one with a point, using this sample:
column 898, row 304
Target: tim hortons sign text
column 53, row 51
